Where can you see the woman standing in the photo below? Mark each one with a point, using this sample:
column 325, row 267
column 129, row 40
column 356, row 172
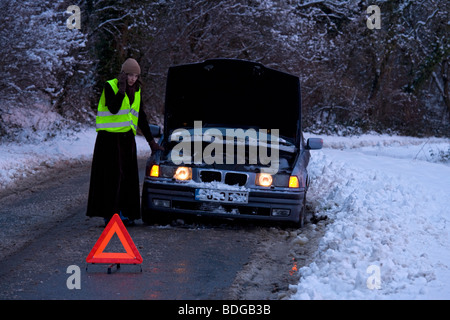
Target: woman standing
column 114, row 185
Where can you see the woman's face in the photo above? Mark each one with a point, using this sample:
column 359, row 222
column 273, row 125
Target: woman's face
column 132, row 78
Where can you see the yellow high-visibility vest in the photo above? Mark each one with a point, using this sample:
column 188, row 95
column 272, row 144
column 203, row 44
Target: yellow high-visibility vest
column 125, row 119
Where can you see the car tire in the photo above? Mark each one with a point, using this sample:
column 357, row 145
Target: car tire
column 302, row 215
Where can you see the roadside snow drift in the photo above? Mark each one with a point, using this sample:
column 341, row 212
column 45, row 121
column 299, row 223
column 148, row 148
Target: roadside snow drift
column 387, row 199
column 30, row 156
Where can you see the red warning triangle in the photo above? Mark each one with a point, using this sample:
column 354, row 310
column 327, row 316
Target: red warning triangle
column 115, row 226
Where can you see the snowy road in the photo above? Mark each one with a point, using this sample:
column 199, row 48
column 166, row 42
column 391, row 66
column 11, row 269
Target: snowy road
column 44, row 230
column 387, row 201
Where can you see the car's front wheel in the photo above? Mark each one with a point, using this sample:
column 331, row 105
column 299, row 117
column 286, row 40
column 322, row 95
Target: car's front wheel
column 302, row 215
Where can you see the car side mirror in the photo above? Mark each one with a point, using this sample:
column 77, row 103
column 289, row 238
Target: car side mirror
column 155, row 130
column 314, row 143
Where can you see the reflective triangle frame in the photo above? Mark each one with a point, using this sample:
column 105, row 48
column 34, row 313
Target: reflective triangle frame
column 115, row 226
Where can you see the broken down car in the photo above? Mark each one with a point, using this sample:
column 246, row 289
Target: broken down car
column 233, row 145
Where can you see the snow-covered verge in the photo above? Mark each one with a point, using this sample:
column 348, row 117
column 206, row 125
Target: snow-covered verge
column 20, row 160
column 387, row 201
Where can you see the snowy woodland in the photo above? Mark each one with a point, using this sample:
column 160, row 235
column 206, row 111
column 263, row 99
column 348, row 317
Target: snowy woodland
column 354, row 79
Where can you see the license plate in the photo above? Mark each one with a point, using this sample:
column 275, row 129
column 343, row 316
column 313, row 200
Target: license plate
column 221, row 196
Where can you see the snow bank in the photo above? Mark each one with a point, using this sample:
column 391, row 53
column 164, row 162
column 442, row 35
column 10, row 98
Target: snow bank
column 389, row 209
column 19, row 160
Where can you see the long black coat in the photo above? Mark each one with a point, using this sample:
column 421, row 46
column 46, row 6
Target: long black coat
column 114, row 184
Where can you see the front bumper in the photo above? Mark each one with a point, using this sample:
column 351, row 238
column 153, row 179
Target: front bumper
column 179, row 198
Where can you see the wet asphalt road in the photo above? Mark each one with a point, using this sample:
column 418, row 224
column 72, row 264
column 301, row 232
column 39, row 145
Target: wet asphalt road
column 180, row 262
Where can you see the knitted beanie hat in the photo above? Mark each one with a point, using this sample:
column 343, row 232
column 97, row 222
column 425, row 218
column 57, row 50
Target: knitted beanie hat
column 131, row 66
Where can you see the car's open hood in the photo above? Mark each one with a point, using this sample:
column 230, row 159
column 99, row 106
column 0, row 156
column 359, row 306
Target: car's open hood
column 233, row 93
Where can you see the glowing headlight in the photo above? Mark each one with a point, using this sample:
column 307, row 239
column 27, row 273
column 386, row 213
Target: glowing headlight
column 263, row 180
column 183, row 173
column 154, row 171
column 293, row 182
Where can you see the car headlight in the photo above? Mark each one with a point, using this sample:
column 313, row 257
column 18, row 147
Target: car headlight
column 183, row 173
column 154, row 171
column 293, row 182
column 263, row 179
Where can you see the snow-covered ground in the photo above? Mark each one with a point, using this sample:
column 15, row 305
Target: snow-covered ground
column 387, row 201
column 19, row 160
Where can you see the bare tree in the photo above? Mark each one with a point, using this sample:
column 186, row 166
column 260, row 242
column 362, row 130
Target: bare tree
column 353, row 78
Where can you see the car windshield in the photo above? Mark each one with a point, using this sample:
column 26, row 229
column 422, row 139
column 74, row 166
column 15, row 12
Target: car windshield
column 249, row 147
column 237, row 136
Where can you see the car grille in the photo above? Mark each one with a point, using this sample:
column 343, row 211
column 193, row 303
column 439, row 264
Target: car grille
column 231, row 178
column 210, row 176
